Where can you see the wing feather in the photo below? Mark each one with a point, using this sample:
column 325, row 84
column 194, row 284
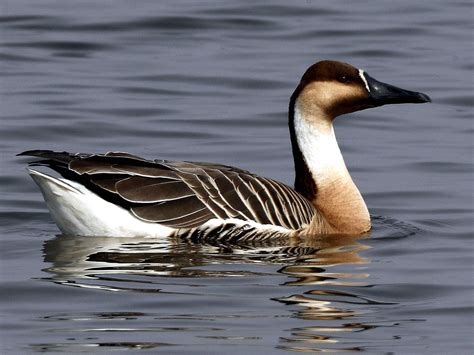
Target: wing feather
column 204, row 195
column 182, row 194
column 164, row 211
column 227, row 190
column 107, row 183
column 269, row 212
column 250, row 199
column 215, row 196
column 139, row 189
column 278, row 201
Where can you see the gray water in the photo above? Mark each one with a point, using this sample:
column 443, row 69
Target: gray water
column 210, row 81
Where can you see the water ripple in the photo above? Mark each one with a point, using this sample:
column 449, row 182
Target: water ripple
column 71, row 46
column 149, row 23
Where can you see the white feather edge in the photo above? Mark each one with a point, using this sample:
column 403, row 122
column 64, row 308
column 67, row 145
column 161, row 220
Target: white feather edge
column 364, row 79
column 80, row 212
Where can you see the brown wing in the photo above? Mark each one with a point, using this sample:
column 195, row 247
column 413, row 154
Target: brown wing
column 182, row 194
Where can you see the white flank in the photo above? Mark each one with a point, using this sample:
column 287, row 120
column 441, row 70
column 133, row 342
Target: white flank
column 319, row 148
column 78, row 211
column 362, row 76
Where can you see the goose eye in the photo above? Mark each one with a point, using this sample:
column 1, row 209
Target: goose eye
column 344, row 79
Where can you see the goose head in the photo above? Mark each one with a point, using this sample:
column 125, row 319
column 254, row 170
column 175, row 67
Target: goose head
column 330, row 88
column 326, row 90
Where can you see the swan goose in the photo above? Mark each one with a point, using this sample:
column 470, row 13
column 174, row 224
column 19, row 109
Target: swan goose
column 119, row 194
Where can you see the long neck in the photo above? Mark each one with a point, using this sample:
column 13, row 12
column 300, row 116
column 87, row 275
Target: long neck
column 322, row 176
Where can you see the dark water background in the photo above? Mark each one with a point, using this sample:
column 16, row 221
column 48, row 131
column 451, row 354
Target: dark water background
column 210, row 81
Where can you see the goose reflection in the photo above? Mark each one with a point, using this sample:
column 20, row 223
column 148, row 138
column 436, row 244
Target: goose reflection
column 325, row 276
column 335, row 274
column 89, row 258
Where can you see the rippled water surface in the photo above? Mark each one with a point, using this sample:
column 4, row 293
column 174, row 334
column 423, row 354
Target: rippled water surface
column 210, row 81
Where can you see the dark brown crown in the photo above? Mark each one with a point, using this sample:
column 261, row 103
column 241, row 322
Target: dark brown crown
column 330, row 70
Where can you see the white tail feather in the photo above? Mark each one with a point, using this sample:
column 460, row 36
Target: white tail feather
column 78, row 211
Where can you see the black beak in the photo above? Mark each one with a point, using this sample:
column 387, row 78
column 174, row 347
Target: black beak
column 383, row 94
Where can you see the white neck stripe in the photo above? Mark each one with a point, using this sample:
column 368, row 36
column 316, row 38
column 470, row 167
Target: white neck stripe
column 319, row 148
column 362, row 76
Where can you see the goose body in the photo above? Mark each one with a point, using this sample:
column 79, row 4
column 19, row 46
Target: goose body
column 119, row 194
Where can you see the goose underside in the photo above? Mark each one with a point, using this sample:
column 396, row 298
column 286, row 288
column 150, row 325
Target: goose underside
column 193, row 200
